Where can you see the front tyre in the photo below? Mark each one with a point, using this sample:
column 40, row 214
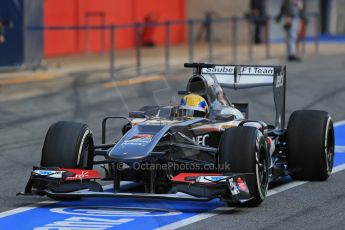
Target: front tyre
column 68, row 145
column 245, row 150
column 310, row 145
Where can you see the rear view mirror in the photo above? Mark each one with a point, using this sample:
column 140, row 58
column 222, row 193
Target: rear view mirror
column 182, row 92
column 137, row 114
column 225, row 117
column 243, row 108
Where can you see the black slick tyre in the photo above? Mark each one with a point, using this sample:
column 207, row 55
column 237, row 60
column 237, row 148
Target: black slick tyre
column 68, row 145
column 244, row 149
column 310, row 145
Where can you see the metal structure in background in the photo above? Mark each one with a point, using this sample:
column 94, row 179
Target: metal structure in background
column 317, row 33
column 234, row 39
column 167, row 46
column 112, row 52
column 88, row 16
column 138, row 47
column 191, row 23
column 250, row 43
column 191, row 40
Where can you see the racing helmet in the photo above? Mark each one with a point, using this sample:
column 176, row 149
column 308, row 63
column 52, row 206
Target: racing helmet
column 193, row 105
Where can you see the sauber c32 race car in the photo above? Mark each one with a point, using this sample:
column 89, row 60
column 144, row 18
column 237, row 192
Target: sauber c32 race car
column 224, row 155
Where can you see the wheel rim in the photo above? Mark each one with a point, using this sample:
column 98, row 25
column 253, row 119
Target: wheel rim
column 329, row 149
column 84, row 155
column 261, row 173
column 85, row 152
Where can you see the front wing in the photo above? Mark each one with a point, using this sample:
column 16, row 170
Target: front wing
column 78, row 183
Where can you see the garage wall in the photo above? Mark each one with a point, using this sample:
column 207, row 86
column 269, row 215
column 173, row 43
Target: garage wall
column 97, row 12
column 221, row 8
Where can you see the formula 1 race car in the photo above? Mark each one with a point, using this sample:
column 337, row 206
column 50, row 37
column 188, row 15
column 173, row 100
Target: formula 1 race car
column 174, row 156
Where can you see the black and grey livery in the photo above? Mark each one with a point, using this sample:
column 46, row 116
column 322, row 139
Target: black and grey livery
column 225, row 155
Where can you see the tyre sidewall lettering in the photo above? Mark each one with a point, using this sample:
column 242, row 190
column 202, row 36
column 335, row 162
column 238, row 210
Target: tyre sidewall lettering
column 86, row 133
column 328, row 166
column 258, row 145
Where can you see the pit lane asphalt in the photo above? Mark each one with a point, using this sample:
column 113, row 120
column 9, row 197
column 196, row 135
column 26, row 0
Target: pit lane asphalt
column 317, row 83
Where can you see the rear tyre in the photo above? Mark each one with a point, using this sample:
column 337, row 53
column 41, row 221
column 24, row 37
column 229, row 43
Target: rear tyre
column 68, row 145
column 244, row 149
column 310, row 145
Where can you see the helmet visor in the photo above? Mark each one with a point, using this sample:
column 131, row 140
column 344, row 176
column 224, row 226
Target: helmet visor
column 191, row 113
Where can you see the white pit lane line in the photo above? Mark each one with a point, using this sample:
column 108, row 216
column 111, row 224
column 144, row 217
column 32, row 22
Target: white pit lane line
column 192, row 219
column 41, row 204
column 27, row 208
column 340, row 149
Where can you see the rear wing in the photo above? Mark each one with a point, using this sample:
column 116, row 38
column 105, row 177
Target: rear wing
column 249, row 76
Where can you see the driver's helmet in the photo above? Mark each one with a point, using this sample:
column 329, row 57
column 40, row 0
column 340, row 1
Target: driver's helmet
column 193, row 105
